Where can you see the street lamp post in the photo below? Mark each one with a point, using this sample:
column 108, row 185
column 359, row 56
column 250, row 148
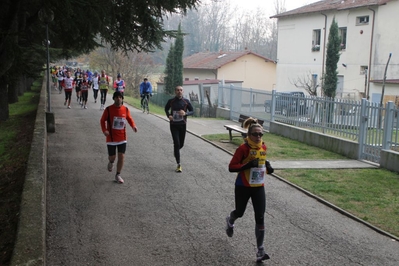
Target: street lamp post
column 48, row 72
column 46, row 16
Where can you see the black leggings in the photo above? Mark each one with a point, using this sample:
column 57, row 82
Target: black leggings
column 85, row 94
column 178, row 135
column 258, row 198
column 68, row 95
column 95, row 93
column 103, row 96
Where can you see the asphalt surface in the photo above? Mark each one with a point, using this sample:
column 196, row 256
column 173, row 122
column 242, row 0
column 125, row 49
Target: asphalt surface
column 159, row 217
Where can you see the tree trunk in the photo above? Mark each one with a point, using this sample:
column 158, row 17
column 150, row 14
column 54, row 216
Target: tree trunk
column 12, row 91
column 28, row 83
column 4, row 111
column 21, row 85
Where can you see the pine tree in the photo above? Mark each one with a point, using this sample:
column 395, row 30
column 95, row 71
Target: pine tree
column 333, row 53
column 178, row 58
column 174, row 64
column 169, row 71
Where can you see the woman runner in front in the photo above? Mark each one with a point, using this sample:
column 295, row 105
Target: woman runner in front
column 249, row 160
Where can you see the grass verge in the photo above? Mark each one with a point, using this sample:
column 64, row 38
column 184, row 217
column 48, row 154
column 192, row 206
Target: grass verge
column 135, row 102
column 15, row 140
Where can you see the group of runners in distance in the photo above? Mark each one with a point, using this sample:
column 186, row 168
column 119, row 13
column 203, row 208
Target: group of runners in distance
column 82, row 81
column 249, row 160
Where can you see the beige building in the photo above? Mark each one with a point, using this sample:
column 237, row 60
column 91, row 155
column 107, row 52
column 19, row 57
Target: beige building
column 368, row 36
column 253, row 70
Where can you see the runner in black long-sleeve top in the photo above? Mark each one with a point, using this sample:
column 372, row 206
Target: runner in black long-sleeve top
column 177, row 109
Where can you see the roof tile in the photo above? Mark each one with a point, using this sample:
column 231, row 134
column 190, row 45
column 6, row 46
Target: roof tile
column 215, row 60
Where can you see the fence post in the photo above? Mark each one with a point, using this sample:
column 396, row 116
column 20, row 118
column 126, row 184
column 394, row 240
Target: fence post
column 362, row 127
column 272, row 107
column 388, row 122
column 220, row 95
column 231, row 101
column 250, row 100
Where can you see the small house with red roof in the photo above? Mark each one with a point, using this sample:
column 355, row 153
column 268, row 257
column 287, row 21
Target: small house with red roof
column 251, row 69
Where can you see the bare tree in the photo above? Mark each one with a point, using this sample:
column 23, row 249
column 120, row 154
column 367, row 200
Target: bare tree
column 279, row 6
column 133, row 66
column 251, row 31
column 310, row 84
column 219, row 26
column 307, row 82
column 207, row 27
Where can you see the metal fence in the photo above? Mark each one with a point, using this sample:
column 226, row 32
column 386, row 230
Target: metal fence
column 373, row 126
column 367, row 123
column 201, row 108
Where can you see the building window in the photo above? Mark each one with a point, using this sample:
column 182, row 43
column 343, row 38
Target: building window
column 316, row 40
column 342, row 35
column 363, row 70
column 363, row 20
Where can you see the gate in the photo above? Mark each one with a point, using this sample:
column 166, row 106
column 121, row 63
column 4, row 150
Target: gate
column 377, row 125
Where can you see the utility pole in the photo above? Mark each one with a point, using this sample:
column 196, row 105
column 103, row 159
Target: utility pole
column 383, row 91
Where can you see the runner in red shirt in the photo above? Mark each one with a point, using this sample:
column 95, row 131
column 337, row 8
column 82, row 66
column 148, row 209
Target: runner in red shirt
column 113, row 125
column 119, row 84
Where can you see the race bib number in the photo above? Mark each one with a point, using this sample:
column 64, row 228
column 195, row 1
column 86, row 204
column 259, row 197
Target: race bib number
column 177, row 117
column 68, row 83
column 119, row 123
column 257, row 176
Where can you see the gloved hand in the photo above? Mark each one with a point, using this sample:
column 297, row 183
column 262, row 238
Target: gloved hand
column 269, row 168
column 250, row 164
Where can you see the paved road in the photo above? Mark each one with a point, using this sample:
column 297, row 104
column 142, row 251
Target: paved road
column 159, row 217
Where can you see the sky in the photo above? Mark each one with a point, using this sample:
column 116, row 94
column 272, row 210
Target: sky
column 268, row 5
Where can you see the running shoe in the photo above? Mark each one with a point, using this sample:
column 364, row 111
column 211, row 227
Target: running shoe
column 85, row 107
column 229, row 227
column 119, row 179
column 95, row 101
column 69, row 107
column 178, row 169
column 110, row 166
column 261, row 255
column 65, row 102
